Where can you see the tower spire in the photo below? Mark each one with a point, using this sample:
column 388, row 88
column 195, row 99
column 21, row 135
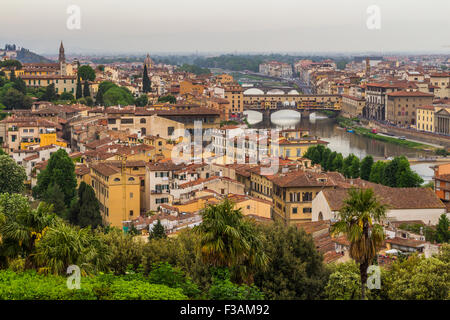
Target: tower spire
column 62, row 56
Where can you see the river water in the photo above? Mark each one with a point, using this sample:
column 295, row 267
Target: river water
column 340, row 140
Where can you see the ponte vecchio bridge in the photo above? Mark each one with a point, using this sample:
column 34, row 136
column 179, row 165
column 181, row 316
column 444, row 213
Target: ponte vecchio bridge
column 272, row 100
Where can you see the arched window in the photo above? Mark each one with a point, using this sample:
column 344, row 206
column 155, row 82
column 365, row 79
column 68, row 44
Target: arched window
column 131, row 179
column 143, row 120
column 320, row 216
column 117, row 179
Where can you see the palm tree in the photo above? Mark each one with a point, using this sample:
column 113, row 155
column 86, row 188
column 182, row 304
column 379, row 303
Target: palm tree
column 21, row 227
column 227, row 239
column 64, row 245
column 359, row 221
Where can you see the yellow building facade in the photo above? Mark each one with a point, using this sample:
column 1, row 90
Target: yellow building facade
column 118, row 193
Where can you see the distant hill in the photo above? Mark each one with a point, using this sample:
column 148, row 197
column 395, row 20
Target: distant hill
column 26, row 56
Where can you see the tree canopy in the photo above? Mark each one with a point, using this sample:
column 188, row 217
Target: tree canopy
column 86, row 73
column 60, row 170
column 12, row 175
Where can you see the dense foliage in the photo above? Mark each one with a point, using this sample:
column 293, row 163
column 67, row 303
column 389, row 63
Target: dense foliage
column 60, row 170
column 86, row 73
column 33, row 286
column 416, row 278
column 12, row 175
column 193, row 69
column 394, row 173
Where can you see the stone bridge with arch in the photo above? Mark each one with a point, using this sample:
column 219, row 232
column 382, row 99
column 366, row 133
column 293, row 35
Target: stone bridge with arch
column 272, row 100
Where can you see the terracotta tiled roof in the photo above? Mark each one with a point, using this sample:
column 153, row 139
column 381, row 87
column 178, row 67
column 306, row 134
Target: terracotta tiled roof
column 394, row 198
column 104, row 169
column 406, row 242
column 164, row 166
column 302, row 178
column 410, row 94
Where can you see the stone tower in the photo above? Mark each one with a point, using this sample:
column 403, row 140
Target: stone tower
column 148, row 62
column 62, row 60
column 367, row 67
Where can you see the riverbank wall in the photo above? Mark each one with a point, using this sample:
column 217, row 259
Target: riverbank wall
column 424, row 137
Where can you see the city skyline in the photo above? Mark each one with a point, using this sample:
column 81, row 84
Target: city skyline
column 201, row 26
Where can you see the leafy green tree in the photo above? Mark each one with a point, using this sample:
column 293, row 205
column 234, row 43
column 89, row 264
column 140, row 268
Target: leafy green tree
column 86, row 91
column 324, row 159
column 223, row 289
column 158, row 231
column 377, row 172
column 85, row 210
column 142, row 101
column 126, row 251
column 229, row 240
column 354, row 168
column 146, row 84
column 79, row 89
column 20, row 85
column 330, row 161
column 60, row 170
column 102, row 88
column 442, row 232
column 181, row 251
column 14, row 99
column 118, row 95
column 11, row 64
column 12, row 175
column 405, row 177
column 50, row 93
column 359, row 221
column 86, row 73
column 295, row 269
column 366, row 167
column 418, row 278
column 168, row 98
column 67, row 96
column 173, row 277
column 338, row 163
column 347, row 166
column 391, row 173
column 344, row 282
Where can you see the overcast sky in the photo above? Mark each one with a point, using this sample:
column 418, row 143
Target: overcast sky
column 138, row 26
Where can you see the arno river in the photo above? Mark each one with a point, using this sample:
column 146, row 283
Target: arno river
column 340, row 140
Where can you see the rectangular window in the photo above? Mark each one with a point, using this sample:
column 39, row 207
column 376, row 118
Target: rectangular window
column 294, row 210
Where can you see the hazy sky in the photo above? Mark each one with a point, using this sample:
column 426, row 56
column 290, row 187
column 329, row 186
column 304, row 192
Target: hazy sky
column 227, row 25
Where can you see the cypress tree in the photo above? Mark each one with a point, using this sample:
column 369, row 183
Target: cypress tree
column 85, row 211
column 86, row 91
column 366, row 167
column 12, row 76
column 79, row 93
column 146, row 85
column 158, row 231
